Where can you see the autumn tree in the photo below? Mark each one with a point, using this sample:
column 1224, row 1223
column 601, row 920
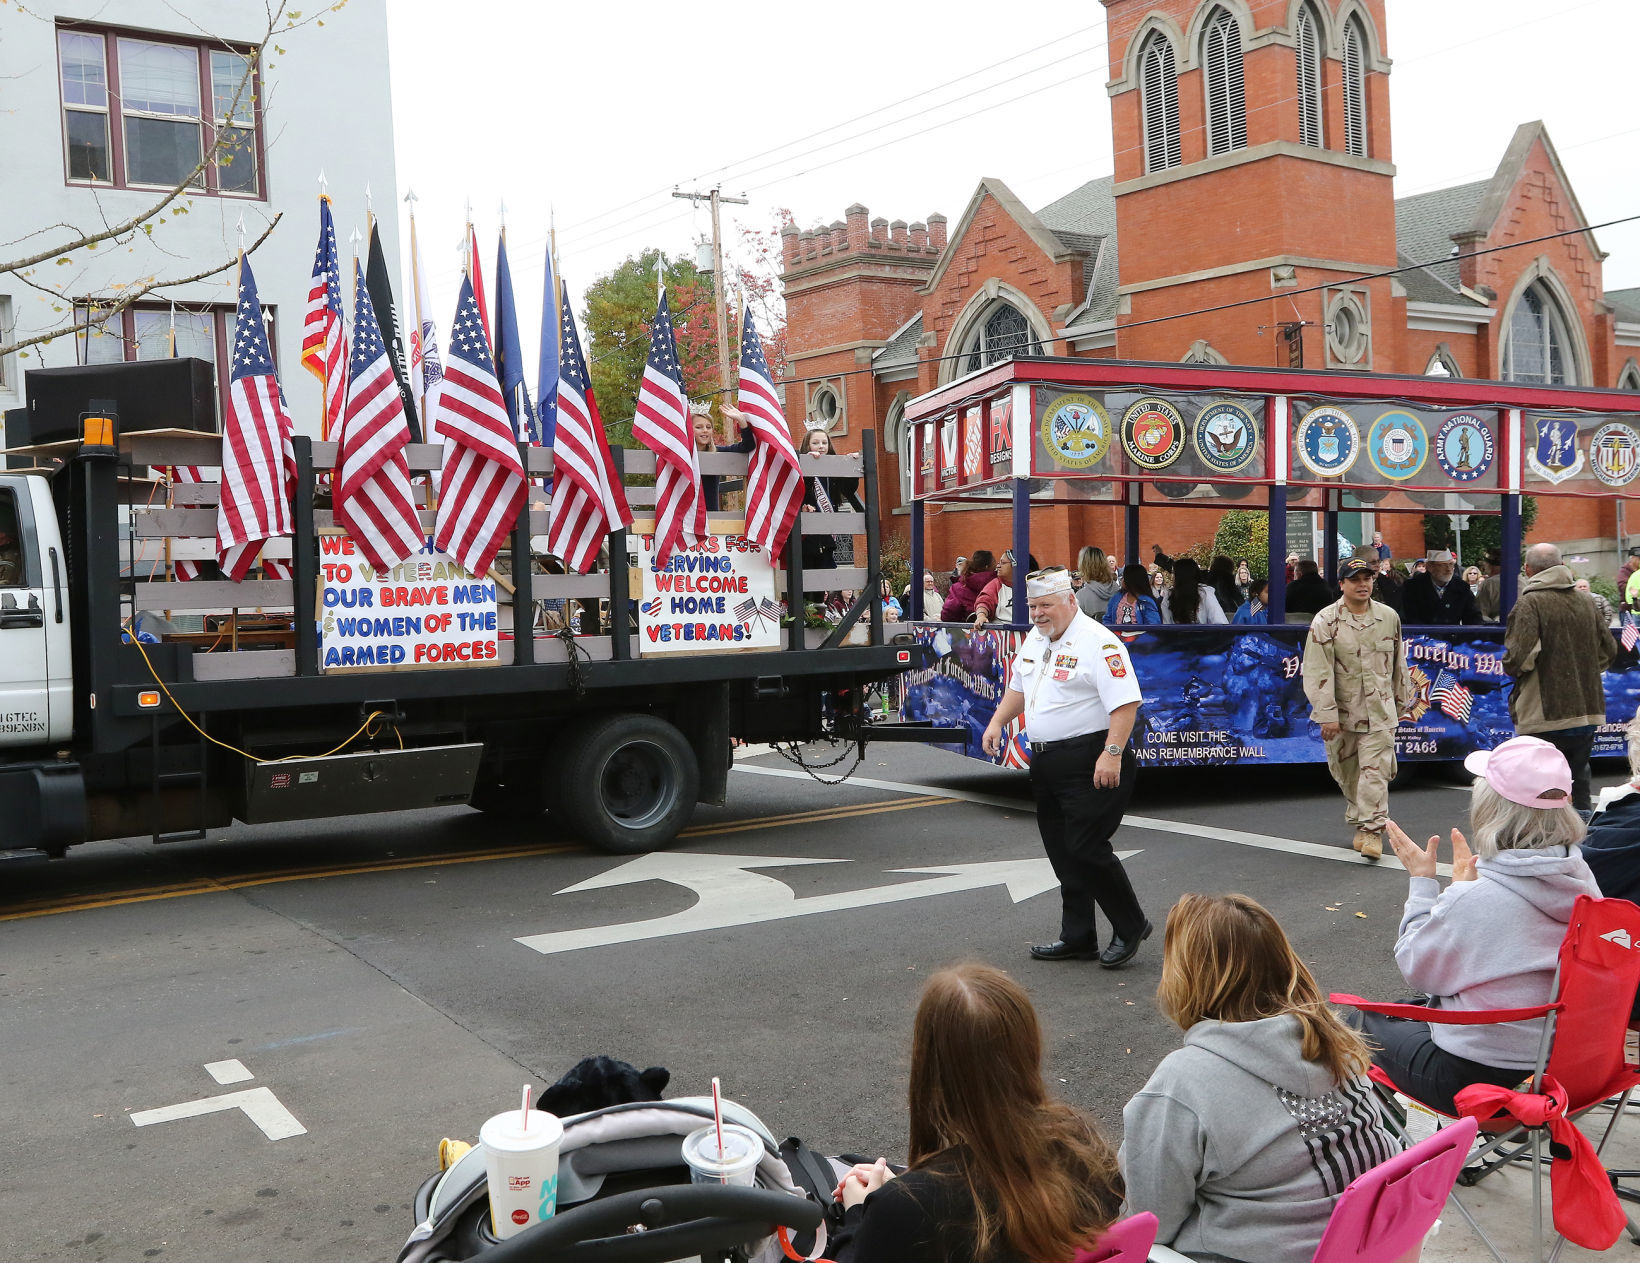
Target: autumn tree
column 51, row 258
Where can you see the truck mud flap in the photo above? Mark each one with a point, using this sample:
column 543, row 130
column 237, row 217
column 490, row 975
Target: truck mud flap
column 351, row 784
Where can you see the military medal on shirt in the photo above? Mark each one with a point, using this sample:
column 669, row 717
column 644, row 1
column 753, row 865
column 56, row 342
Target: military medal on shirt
column 1397, row 445
column 1553, row 455
column 1464, row 447
column 1328, row 441
column 1063, row 665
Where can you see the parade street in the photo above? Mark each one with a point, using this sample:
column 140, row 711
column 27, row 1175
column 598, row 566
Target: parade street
column 250, row 1048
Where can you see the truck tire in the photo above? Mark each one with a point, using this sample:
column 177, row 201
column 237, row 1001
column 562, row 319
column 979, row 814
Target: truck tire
column 629, row 783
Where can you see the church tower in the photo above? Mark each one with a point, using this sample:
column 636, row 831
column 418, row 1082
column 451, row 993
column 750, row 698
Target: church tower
column 1252, row 162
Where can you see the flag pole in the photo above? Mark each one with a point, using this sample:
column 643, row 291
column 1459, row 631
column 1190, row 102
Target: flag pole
column 415, row 299
column 557, row 278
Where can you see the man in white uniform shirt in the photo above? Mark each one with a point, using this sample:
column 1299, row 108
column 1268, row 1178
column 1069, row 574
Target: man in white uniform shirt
column 1073, row 681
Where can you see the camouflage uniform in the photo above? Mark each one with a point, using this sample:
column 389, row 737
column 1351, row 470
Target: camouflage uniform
column 1356, row 676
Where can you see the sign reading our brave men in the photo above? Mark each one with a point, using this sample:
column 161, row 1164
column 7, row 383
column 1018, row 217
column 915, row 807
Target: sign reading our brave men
column 714, row 596
column 424, row 612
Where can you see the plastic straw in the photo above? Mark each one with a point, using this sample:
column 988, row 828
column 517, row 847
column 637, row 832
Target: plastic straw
column 524, row 1116
column 717, row 1112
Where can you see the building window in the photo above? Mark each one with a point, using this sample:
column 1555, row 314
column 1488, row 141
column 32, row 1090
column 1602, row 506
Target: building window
column 1629, row 379
column 145, row 332
column 1005, row 334
column 1307, row 40
column 826, row 408
column 1349, row 330
column 1536, row 347
column 1159, row 97
column 1355, row 89
column 134, row 112
column 1442, row 364
column 900, row 441
column 1203, row 352
column 1226, row 91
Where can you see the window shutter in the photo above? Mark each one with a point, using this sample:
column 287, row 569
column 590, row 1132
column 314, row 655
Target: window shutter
column 1355, row 90
column 1226, row 90
column 1159, row 88
column 1309, row 80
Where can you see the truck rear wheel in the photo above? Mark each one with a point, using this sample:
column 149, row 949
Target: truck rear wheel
column 629, row 783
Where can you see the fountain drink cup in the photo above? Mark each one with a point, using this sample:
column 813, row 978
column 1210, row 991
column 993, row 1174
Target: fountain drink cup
column 521, row 1160
column 738, row 1165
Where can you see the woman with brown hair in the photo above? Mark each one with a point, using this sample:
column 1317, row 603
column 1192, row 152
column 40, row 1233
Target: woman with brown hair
column 1000, row 1172
column 1099, row 581
column 1244, row 1138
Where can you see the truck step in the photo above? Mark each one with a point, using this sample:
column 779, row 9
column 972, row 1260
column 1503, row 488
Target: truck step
column 24, row 855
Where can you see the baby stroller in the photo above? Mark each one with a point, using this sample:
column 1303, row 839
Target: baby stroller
column 624, row 1196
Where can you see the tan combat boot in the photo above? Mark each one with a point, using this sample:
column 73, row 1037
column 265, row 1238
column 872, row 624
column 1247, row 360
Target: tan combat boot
column 1369, row 843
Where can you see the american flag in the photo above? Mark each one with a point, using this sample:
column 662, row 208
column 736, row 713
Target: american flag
column 745, row 610
column 258, row 461
column 482, row 489
column 1630, row 635
column 662, row 424
column 769, row 609
column 587, row 499
column 175, row 476
column 375, row 502
column 324, row 337
column 774, row 484
column 1453, row 698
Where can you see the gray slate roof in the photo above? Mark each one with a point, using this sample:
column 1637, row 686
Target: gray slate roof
column 1424, row 225
column 1626, row 302
column 1085, row 219
column 901, row 349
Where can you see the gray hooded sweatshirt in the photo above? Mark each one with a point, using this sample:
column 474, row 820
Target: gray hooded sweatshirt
column 1240, row 1147
column 1492, row 943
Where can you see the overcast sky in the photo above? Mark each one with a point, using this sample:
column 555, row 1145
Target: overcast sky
column 597, row 111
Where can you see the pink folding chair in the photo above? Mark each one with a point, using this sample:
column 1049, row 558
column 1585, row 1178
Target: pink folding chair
column 1126, row 1242
column 1384, row 1216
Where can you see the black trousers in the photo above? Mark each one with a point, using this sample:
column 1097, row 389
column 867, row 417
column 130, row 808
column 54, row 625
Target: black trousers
column 1421, row 1068
column 1077, row 820
column 1576, row 744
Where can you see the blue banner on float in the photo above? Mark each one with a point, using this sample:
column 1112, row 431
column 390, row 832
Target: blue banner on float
column 1215, row 697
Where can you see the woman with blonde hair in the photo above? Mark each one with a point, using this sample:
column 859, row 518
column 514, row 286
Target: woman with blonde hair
column 1244, row 1138
column 1099, row 581
column 1000, row 1172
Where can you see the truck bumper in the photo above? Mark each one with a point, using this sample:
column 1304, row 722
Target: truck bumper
column 43, row 805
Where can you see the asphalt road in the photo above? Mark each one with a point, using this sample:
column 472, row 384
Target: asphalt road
column 366, row 973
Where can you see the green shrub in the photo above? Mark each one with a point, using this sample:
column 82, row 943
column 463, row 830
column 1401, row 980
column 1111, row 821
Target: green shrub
column 1484, row 532
column 1606, row 587
column 1244, row 535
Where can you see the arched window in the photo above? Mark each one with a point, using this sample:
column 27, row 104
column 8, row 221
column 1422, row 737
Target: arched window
column 1307, row 40
column 1005, row 334
column 1629, row 379
column 1203, row 352
column 1355, row 88
column 1442, row 364
column 1537, row 347
column 1226, row 91
column 900, row 441
column 1159, row 98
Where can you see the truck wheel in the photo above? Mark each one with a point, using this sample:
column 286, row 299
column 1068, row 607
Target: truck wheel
column 629, row 783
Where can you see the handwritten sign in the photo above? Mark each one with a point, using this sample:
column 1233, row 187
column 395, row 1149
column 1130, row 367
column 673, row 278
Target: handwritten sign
column 716, row 596
column 424, row 612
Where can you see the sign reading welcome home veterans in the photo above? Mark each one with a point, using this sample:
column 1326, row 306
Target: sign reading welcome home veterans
column 717, row 595
column 424, row 612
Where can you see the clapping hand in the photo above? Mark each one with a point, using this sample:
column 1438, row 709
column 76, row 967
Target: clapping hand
column 1420, row 861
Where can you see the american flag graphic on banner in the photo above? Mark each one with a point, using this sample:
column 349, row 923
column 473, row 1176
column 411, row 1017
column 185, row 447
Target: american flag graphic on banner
column 258, row 462
column 662, row 425
column 1453, row 698
column 745, row 610
column 774, row 484
column 482, row 489
column 324, row 337
column 375, row 502
column 588, row 501
column 653, row 606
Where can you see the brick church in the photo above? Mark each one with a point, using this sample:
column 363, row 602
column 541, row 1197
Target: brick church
column 1252, row 161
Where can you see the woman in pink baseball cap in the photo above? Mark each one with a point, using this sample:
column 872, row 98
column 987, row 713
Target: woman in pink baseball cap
column 1490, row 939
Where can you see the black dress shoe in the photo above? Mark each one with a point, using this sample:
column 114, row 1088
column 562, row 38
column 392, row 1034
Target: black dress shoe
column 1121, row 951
column 1059, row 949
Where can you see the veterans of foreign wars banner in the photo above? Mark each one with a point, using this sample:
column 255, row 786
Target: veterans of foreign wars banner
column 426, row 611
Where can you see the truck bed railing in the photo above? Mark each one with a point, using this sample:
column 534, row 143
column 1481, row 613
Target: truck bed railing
column 168, row 526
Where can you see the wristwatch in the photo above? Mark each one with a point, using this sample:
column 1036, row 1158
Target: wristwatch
column 1113, row 749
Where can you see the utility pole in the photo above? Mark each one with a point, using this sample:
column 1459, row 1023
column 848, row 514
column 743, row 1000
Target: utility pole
column 720, row 288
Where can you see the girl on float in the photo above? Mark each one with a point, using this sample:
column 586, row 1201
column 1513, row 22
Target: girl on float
column 1000, row 1171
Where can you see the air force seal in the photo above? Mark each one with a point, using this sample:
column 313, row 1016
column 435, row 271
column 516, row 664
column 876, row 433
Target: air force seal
column 1226, row 434
column 1076, row 430
column 1328, row 442
column 1464, row 447
column 1152, row 434
column 1397, row 445
column 1553, row 455
column 1614, row 454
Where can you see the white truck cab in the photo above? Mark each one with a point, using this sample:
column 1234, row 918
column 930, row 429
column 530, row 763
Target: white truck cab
column 36, row 667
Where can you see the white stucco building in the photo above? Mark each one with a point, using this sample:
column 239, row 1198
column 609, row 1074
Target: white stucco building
column 103, row 107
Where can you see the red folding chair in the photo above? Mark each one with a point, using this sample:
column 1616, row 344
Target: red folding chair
column 1126, row 1242
column 1583, row 1058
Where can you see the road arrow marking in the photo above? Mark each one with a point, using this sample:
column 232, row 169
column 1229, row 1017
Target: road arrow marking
column 260, row 1105
column 728, row 894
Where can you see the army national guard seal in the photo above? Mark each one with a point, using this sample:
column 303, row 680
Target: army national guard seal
column 1152, row 434
column 1327, row 441
column 1076, row 430
column 1464, row 447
